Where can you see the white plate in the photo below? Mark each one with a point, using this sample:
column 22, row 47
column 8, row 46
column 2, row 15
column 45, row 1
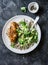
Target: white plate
column 7, row 41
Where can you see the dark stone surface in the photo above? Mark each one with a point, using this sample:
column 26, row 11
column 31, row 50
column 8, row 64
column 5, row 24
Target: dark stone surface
column 39, row 56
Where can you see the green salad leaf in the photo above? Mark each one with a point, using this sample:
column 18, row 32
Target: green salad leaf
column 23, row 9
column 25, row 35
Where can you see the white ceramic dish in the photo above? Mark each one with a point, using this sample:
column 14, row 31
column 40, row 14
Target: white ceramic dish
column 35, row 4
column 7, row 41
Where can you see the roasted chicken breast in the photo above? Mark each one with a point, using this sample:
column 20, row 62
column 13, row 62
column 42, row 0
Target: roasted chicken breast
column 12, row 34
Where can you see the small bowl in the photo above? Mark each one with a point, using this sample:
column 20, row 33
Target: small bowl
column 36, row 7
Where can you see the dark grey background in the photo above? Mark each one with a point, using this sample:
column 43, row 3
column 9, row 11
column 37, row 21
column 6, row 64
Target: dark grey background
column 39, row 56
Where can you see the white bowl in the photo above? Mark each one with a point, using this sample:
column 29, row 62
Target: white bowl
column 35, row 4
column 7, row 41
